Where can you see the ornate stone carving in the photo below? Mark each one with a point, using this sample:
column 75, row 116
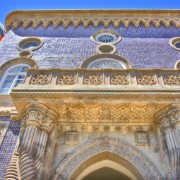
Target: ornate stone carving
column 3, row 128
column 172, row 79
column 93, row 79
column 95, row 17
column 67, row 79
column 41, row 79
column 99, row 112
column 169, row 121
column 142, row 138
column 119, row 79
column 28, row 158
column 147, row 79
column 143, row 164
column 71, row 137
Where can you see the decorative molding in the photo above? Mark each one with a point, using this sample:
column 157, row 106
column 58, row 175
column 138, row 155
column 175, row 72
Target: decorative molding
column 172, row 79
column 67, row 79
column 169, row 117
column 119, row 79
column 113, row 34
column 71, row 137
column 37, row 40
column 35, row 18
column 104, row 144
column 41, row 79
column 93, row 79
column 147, row 79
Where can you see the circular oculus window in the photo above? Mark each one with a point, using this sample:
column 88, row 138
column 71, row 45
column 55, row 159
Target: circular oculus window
column 175, row 43
column 30, row 44
column 105, row 37
column 106, row 49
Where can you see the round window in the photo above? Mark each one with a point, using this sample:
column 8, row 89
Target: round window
column 105, row 37
column 30, row 44
column 175, row 43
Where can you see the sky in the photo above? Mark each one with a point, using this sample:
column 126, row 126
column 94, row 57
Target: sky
column 7, row 6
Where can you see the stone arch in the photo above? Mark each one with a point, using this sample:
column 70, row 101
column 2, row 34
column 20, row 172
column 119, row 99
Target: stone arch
column 114, row 57
column 17, row 61
column 117, row 150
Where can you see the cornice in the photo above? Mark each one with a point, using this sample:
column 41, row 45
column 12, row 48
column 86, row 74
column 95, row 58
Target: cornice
column 35, row 18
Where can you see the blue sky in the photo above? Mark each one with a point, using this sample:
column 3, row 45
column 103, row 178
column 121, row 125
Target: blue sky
column 7, row 6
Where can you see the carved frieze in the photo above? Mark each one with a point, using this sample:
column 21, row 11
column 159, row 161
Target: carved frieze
column 119, row 79
column 172, row 79
column 67, row 79
column 147, row 79
column 93, row 79
column 99, row 112
column 41, row 79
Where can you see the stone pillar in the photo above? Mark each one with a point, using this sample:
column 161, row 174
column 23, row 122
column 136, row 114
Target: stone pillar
column 27, row 162
column 169, row 122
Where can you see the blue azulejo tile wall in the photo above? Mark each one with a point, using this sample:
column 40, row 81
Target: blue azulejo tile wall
column 8, row 145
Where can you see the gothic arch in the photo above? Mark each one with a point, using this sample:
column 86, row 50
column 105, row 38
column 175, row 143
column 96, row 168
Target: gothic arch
column 114, row 57
column 109, row 148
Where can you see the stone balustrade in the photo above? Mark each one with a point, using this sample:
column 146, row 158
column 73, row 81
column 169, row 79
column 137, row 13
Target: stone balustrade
column 101, row 77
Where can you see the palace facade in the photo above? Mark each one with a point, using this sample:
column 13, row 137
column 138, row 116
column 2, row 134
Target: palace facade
column 90, row 94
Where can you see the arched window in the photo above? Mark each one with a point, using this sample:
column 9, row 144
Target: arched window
column 106, row 61
column 13, row 76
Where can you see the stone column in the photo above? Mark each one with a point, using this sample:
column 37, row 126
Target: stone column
column 27, row 162
column 169, row 122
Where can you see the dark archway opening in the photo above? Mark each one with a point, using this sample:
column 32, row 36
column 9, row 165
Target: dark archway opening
column 106, row 173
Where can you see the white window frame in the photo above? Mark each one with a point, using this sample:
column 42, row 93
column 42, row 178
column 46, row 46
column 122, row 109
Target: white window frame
column 7, row 73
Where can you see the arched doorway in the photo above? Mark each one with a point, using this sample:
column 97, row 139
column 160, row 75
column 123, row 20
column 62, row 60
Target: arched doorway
column 128, row 160
column 106, row 174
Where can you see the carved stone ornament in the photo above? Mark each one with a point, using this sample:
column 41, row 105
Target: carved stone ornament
column 142, row 138
column 40, row 119
column 71, row 137
column 92, row 17
column 93, row 79
column 147, row 79
column 67, row 79
column 169, row 117
column 97, row 112
column 3, row 128
column 41, row 79
column 172, row 79
column 104, row 144
column 119, row 79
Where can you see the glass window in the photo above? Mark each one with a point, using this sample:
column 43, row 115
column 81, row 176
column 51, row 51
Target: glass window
column 13, row 76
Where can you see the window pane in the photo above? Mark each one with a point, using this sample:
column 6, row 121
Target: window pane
column 4, row 91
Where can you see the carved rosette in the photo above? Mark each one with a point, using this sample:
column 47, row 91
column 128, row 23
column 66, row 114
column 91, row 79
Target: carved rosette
column 93, row 79
column 67, row 79
column 147, row 79
column 119, row 79
column 41, row 79
column 172, row 79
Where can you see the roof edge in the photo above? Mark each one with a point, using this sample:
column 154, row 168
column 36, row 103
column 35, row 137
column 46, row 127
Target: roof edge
column 106, row 17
